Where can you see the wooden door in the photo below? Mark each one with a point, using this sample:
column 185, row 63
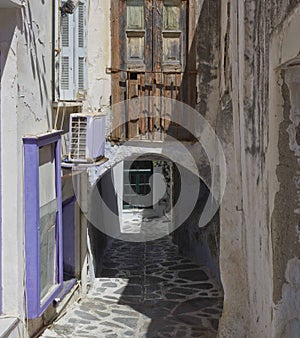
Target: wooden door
column 149, row 57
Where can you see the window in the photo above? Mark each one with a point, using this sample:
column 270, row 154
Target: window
column 137, row 187
column 135, row 30
column 43, row 221
column 172, row 34
column 72, row 53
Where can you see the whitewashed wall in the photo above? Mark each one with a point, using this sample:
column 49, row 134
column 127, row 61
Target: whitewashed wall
column 25, row 42
column 98, row 55
column 26, row 109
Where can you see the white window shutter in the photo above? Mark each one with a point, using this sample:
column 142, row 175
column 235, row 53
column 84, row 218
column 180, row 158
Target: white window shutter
column 80, row 50
column 67, row 57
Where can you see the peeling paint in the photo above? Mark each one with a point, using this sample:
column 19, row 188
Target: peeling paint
column 287, row 314
column 262, row 143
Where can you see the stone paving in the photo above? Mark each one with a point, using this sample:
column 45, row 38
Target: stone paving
column 146, row 290
column 144, row 225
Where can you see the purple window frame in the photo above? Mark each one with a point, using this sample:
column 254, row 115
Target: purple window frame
column 32, row 145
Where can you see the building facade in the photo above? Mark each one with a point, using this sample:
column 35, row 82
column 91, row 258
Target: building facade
column 239, row 68
column 44, row 76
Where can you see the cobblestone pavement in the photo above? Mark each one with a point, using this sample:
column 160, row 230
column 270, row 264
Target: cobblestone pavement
column 147, row 290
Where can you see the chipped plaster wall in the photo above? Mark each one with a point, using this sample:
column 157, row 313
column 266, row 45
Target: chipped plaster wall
column 233, row 256
column 286, row 314
column 285, row 103
column 206, row 43
column 98, row 56
column 257, row 124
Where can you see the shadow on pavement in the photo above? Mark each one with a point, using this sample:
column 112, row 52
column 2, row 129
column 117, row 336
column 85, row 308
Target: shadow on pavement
column 176, row 297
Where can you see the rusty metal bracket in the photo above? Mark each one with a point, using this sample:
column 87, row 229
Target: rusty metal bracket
column 110, row 70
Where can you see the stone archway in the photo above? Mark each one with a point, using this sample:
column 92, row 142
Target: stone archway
column 171, row 285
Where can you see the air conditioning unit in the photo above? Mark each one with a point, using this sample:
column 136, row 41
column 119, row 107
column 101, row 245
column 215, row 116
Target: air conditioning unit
column 86, row 137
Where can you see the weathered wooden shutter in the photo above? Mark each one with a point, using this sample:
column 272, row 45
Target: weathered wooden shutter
column 135, row 35
column 149, row 58
column 80, row 50
column 66, row 78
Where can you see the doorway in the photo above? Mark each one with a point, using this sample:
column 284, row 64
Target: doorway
column 137, row 185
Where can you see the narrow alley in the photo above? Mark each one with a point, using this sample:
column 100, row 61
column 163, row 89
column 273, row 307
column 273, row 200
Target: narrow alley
column 149, row 169
column 146, row 290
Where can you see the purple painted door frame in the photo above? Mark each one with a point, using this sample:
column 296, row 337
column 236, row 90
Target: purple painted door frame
column 32, row 221
column 68, row 208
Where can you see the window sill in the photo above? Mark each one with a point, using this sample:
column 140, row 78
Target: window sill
column 81, row 165
column 7, row 325
column 67, row 287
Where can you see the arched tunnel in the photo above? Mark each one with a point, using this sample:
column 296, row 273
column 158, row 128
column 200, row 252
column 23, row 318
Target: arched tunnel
column 158, row 276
